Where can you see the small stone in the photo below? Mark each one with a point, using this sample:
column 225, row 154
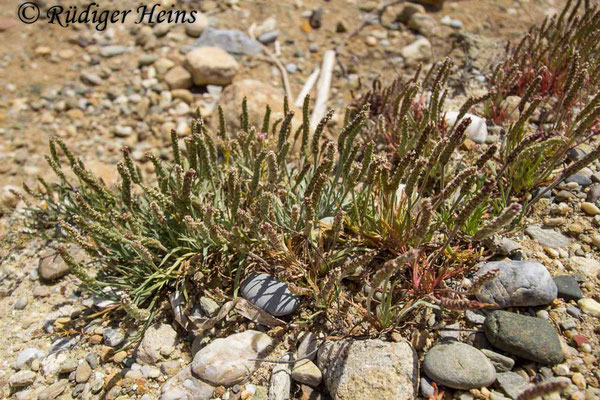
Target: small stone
column 21, row 303
column 587, row 266
column 268, row 37
column 371, row 41
column 26, row 357
column 579, row 380
column 561, row 369
column 528, row 337
column 231, row 41
column 291, row 68
column 170, row 368
column 459, row 366
column 589, row 306
column 475, row 317
column 512, row 383
column 593, row 194
column 159, row 340
column 185, row 385
column 547, row 237
column 308, row 346
column 520, row 283
column 54, row 390
column 52, row 266
column 281, row 382
column 407, row 10
column 590, row 208
column 568, row 288
column 211, row 66
column 69, row 365
column 307, row 372
column 83, row 372
column 178, row 78
column 112, row 51
column 196, row 28
column 269, row 294
column 477, row 129
column 581, row 180
column 500, row 362
column 113, row 337
column 416, row 52
column 226, row 361
column 93, row 360
column 208, row 306
column 423, row 24
column 22, row 379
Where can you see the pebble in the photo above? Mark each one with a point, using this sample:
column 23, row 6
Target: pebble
column 590, row 208
column 211, row 66
column 308, row 346
column 112, row 51
column 232, row 41
column 511, row 383
column 26, row 357
column 475, row 317
column 520, row 283
column 281, row 382
column 269, row 294
column 83, row 372
column 477, row 129
column 196, row 28
column 54, row 390
column 208, row 306
column 22, row 379
column 568, row 288
column 581, row 180
column 416, row 52
column 593, row 194
column 589, row 306
column 178, row 78
column 500, row 362
column 21, row 303
column 527, row 337
column 291, row 68
column 459, row 366
column 268, row 37
column 226, row 361
column 307, row 372
column 90, row 78
column 113, row 337
column 159, row 341
column 93, row 360
column 547, row 237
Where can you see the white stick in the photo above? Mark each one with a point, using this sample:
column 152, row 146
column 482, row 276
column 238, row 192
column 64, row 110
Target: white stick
column 323, row 88
column 310, row 82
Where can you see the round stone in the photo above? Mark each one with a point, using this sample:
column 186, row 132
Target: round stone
column 269, row 294
column 459, row 366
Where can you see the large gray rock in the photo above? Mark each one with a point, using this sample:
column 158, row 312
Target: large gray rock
column 519, row 284
column 459, row 366
column 159, row 341
column 270, row 294
column 369, row 369
column 547, row 237
column 184, row 386
column 232, row 41
column 228, row 361
column 531, row 338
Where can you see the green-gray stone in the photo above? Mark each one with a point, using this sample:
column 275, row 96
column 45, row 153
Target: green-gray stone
column 527, row 337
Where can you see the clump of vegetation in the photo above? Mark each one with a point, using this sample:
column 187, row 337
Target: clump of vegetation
column 391, row 204
column 553, row 74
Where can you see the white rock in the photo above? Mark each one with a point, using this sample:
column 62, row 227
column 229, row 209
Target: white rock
column 281, row 381
column 211, row 66
column 26, row 356
column 22, row 379
column 589, row 306
column 228, row 361
column 196, row 28
column 477, row 129
column 159, row 340
column 587, row 266
column 417, row 51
